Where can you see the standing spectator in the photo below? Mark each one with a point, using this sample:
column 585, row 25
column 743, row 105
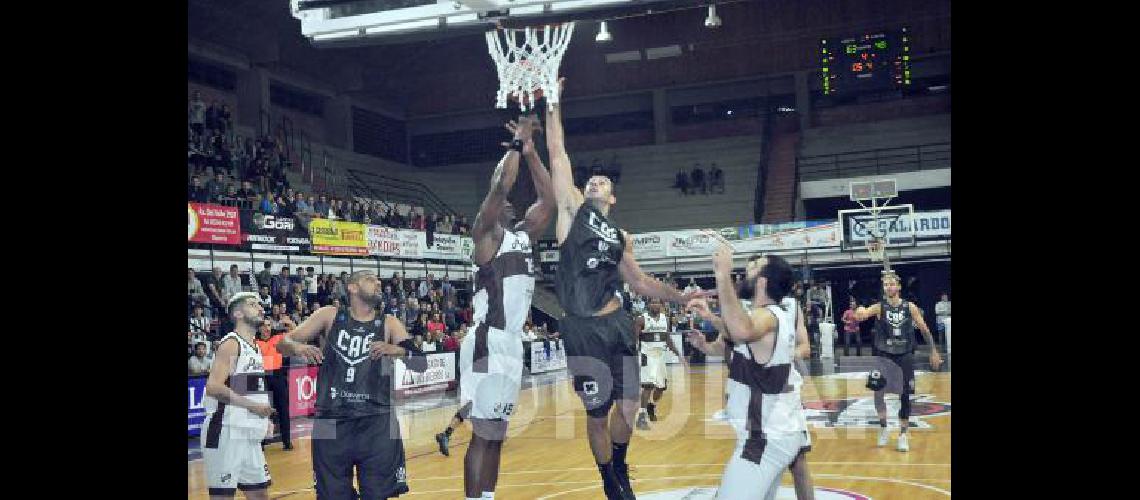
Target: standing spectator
column 212, row 117
column 231, row 284
column 429, row 228
column 851, row 328
column 310, row 284
column 341, row 288
column 213, row 286
column 942, row 313
column 295, row 302
column 265, row 277
column 199, row 364
column 197, row 114
column 423, row 290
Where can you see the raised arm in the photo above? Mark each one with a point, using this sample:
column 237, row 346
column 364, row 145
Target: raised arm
column 644, row 284
column 741, row 326
column 566, row 196
column 539, row 214
column 487, row 232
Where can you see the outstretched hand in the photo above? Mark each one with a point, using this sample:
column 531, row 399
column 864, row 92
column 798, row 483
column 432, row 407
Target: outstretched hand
column 524, row 130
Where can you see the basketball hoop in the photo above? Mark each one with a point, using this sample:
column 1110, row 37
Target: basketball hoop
column 876, row 249
column 527, row 62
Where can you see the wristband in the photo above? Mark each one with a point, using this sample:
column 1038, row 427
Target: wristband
column 517, row 145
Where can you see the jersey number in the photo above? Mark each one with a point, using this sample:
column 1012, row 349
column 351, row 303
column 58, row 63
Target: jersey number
column 260, row 385
column 350, row 374
column 530, row 265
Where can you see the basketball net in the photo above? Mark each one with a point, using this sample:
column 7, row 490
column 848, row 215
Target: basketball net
column 527, row 61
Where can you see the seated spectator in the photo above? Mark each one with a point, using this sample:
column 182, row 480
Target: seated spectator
column 716, row 176
column 682, row 182
column 197, row 192
column 435, row 326
column 194, row 290
column 199, row 363
column 394, row 310
column 699, row 181
column 266, row 205
column 266, row 299
column 451, row 341
column 199, row 323
column 217, row 187
column 302, row 206
column 284, row 209
column 231, row 284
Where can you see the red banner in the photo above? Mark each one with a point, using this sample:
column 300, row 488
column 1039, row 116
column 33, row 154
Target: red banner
column 302, row 391
column 215, row 224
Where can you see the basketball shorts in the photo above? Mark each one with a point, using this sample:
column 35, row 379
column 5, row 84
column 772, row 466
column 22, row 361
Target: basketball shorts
column 758, row 477
column 490, row 367
column 898, row 369
column 234, row 460
column 654, row 370
column 371, row 446
column 602, row 357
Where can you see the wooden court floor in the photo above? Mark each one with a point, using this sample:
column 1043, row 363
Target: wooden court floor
column 547, row 456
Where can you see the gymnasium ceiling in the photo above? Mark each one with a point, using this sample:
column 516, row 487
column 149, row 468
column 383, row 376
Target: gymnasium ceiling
column 758, row 37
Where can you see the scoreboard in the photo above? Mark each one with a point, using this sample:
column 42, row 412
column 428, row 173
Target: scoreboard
column 867, row 62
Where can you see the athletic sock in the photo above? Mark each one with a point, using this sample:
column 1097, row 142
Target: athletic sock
column 488, row 495
column 882, row 422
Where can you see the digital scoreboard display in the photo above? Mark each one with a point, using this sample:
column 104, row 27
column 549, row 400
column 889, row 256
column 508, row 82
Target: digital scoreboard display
column 868, row 62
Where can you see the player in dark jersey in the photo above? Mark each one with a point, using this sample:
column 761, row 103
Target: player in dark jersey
column 601, row 349
column 893, row 348
column 355, row 425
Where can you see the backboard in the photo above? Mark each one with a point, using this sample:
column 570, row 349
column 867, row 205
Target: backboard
column 892, row 223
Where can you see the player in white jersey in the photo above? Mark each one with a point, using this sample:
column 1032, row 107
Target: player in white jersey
column 801, row 475
column 652, row 329
column 491, row 359
column 764, row 407
column 237, row 408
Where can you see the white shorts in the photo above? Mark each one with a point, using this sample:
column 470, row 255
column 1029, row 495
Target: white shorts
column 236, row 462
column 654, row 370
column 493, row 393
column 745, row 479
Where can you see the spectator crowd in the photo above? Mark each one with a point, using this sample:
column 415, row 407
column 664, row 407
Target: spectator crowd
column 436, row 312
column 228, row 169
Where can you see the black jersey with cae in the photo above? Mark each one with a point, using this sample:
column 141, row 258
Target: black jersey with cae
column 894, row 332
column 587, row 275
column 349, row 383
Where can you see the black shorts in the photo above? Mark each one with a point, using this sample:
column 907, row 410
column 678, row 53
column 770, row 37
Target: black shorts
column 601, row 354
column 898, row 370
column 371, row 445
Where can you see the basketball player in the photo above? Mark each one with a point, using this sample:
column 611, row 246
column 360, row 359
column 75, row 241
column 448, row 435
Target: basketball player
column 893, row 348
column 764, row 406
column 601, row 349
column 237, row 408
column 491, row 360
column 652, row 330
column 800, row 474
column 355, row 425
